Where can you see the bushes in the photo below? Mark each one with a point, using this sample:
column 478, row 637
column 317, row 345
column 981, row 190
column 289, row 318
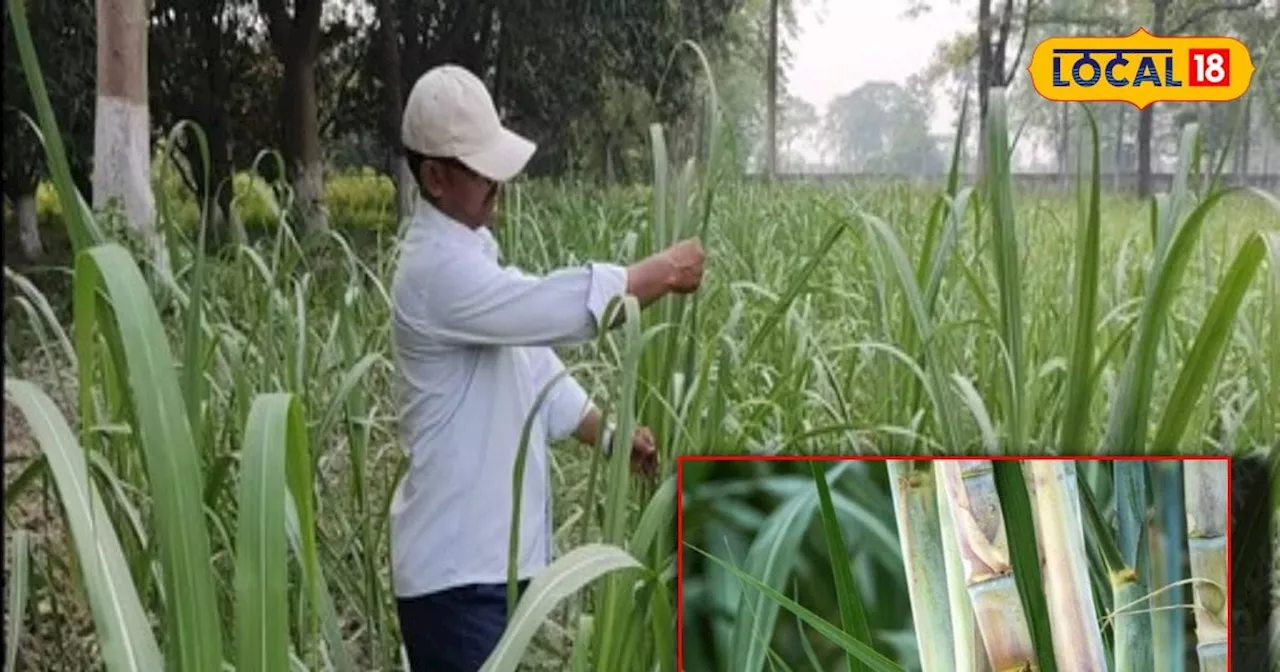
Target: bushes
column 357, row 200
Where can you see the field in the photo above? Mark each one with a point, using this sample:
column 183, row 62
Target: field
column 241, row 411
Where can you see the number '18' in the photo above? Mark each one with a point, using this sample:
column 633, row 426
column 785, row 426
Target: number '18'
column 1209, row 68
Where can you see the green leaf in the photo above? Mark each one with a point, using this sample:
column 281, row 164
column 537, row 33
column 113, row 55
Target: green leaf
column 563, row 578
column 122, row 626
column 772, row 555
column 1211, row 338
column 1004, row 247
column 798, row 282
column 1127, row 419
column 867, row 655
column 853, row 615
column 19, row 590
column 136, row 337
column 1015, row 506
column 1075, row 415
column 658, row 512
column 262, row 596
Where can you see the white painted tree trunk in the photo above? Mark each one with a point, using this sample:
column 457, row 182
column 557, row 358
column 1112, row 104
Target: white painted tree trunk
column 406, row 189
column 122, row 160
column 29, row 227
column 308, row 189
column 122, row 120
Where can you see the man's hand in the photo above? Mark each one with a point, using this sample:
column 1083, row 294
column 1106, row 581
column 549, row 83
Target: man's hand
column 685, row 258
column 644, row 453
column 677, row 269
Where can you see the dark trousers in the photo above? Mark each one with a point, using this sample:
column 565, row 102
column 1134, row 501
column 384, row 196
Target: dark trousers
column 454, row 630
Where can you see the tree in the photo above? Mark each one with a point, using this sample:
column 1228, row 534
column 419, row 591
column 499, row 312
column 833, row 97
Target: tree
column 206, row 67
column 797, row 121
column 389, row 75
column 771, row 162
column 883, row 127
column 122, row 118
column 990, row 44
column 63, row 33
column 1192, row 13
column 994, row 68
column 295, row 40
column 738, row 57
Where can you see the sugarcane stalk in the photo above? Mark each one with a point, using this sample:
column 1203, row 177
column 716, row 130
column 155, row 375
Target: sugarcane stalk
column 984, row 554
column 1129, row 582
column 970, row 654
column 1055, row 504
column 1168, row 552
column 915, row 506
column 1205, row 484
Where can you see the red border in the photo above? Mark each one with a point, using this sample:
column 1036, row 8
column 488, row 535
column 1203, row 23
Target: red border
column 680, row 461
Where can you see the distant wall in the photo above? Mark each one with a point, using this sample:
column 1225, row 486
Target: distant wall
column 1125, row 181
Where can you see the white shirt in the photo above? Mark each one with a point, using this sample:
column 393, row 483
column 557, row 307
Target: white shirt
column 471, row 341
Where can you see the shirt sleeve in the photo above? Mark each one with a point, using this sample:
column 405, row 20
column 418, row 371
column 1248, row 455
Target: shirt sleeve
column 566, row 403
column 474, row 301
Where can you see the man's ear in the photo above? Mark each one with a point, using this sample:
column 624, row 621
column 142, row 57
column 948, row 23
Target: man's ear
column 431, row 178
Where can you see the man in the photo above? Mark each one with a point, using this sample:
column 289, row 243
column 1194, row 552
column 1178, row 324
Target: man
column 472, row 342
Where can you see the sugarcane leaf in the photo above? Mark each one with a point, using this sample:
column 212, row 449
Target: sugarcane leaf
column 853, row 614
column 873, row 660
column 1015, row 506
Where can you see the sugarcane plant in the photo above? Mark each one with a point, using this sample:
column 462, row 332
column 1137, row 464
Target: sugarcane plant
column 1042, row 563
column 1053, row 565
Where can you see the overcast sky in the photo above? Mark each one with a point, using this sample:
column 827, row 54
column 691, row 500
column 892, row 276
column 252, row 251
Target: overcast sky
column 841, row 44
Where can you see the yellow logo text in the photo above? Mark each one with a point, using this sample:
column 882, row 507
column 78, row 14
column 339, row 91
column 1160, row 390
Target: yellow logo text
column 1141, row 69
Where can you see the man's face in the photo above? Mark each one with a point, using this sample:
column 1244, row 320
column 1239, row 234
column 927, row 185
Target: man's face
column 461, row 192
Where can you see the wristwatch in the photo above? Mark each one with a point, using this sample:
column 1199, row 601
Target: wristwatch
column 606, row 438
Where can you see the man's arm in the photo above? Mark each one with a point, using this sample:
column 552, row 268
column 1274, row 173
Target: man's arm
column 676, row 269
column 644, row 454
column 566, row 407
column 477, row 302
column 567, row 410
column 588, row 430
column 472, row 301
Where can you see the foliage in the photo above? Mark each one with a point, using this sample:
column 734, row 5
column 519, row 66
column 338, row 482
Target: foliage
column 65, row 32
column 883, row 127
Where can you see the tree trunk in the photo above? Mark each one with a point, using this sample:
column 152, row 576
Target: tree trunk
column 771, row 133
column 1146, row 118
column 1242, row 143
column 985, row 58
column 218, row 114
column 1119, row 160
column 28, row 225
column 393, row 107
column 122, row 120
column 1064, row 145
column 302, row 135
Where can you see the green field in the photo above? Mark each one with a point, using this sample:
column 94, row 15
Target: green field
column 847, row 320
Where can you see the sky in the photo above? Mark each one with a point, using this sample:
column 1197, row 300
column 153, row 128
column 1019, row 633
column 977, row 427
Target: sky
column 840, row 44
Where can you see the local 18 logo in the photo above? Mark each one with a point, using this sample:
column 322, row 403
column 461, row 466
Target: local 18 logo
column 1141, row 69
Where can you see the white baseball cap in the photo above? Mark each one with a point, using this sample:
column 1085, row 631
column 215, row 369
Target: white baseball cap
column 451, row 114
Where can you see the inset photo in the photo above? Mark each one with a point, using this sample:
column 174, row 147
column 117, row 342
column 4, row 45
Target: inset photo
column 954, row 564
